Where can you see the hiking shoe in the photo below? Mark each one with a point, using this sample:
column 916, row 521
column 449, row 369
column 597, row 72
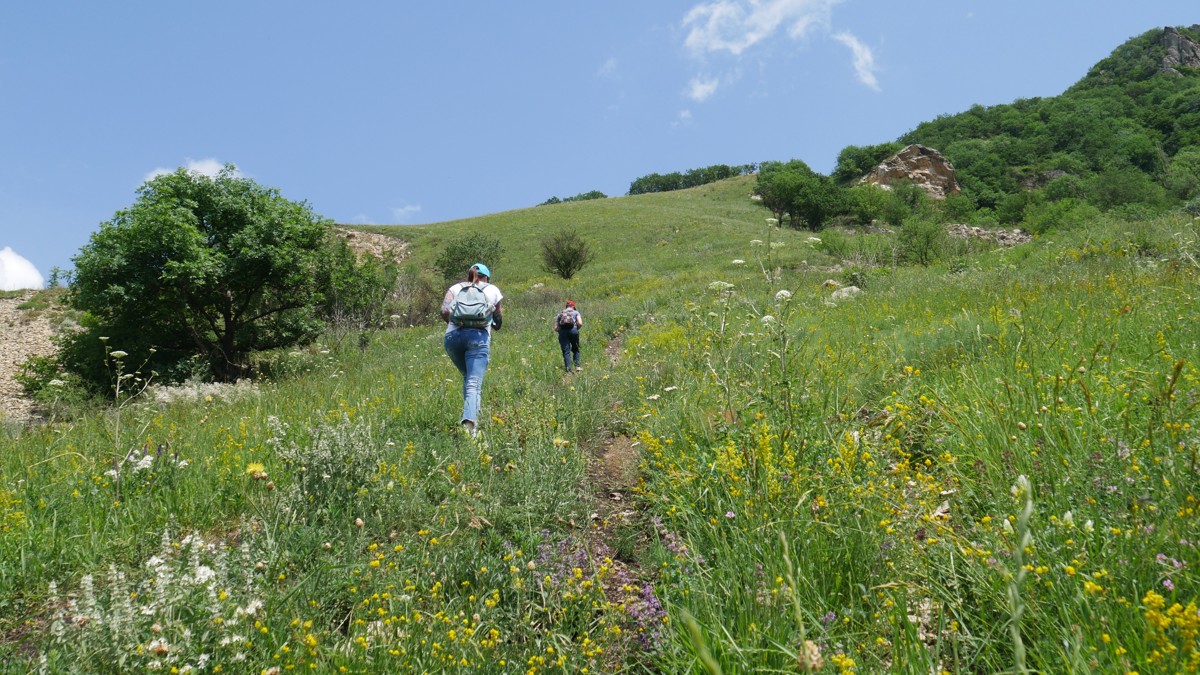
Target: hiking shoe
column 578, row 368
column 469, row 427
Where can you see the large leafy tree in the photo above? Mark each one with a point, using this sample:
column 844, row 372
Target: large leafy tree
column 199, row 271
column 807, row 197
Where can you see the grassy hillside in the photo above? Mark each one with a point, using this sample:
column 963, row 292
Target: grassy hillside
column 984, row 465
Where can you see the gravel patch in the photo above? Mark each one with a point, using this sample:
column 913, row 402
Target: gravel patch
column 23, row 334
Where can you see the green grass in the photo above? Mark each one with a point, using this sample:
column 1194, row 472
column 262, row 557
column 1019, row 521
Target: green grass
column 832, row 485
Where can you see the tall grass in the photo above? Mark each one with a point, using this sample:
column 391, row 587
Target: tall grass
column 822, row 486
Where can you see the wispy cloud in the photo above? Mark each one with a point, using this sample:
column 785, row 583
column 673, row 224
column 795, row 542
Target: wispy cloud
column 864, row 60
column 608, row 68
column 209, row 166
column 700, row 89
column 732, row 27
column 735, row 25
column 403, row 214
column 684, row 118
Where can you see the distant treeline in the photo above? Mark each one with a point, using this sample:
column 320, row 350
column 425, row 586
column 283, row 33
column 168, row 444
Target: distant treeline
column 691, row 178
column 581, row 197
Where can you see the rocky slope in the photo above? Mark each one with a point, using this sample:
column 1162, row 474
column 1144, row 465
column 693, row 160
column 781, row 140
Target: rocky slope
column 23, row 333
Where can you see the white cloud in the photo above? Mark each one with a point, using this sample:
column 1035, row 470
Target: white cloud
column 17, row 273
column 699, row 90
column 864, row 60
column 608, row 68
column 403, row 214
column 684, row 118
column 209, row 166
column 736, row 25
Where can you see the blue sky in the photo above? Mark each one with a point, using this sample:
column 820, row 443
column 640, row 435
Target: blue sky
column 401, row 112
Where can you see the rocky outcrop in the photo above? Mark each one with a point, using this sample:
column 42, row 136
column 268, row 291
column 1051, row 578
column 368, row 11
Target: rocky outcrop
column 1002, row 237
column 1182, row 51
column 378, row 246
column 923, row 166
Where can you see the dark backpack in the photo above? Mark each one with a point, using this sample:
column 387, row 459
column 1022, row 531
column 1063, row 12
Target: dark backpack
column 470, row 307
column 566, row 318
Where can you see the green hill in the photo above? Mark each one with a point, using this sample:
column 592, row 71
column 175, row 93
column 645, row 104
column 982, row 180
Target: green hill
column 982, row 464
column 1126, row 134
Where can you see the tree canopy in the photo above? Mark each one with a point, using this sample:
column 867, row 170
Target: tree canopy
column 198, row 272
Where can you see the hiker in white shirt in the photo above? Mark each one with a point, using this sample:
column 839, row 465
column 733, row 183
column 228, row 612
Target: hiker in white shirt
column 471, row 314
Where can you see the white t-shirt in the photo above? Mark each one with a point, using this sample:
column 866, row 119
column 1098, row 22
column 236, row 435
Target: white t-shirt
column 490, row 291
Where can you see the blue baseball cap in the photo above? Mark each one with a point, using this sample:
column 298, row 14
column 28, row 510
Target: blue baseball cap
column 482, row 269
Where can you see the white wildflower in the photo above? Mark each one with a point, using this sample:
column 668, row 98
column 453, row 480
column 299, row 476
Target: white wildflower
column 204, row 573
column 119, row 354
column 756, row 242
column 783, row 296
column 144, row 463
column 56, row 383
column 768, row 320
column 720, row 286
column 739, row 261
column 776, row 244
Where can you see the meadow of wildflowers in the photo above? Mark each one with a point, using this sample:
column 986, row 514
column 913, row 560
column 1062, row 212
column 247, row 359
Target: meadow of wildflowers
column 986, row 465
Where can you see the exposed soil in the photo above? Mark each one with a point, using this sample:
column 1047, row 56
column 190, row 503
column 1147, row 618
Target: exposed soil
column 24, row 333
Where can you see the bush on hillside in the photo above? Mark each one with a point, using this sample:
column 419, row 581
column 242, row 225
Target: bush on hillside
column 921, row 240
column 460, row 254
column 1064, row 214
column 357, row 293
column 565, row 254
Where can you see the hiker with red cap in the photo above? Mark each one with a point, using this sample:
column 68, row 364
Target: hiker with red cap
column 567, row 325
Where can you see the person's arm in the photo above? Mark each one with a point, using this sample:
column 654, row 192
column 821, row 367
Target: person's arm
column 497, row 317
column 446, row 300
column 578, row 320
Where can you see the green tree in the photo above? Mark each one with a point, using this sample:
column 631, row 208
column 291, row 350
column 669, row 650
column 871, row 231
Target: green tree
column 1183, row 174
column 207, row 268
column 856, row 161
column 565, row 254
column 818, row 200
column 778, row 188
column 460, row 254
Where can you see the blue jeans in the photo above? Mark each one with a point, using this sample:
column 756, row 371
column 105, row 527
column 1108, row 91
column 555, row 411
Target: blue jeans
column 568, row 342
column 468, row 349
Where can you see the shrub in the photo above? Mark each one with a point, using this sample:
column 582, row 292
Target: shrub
column 1065, row 214
column 565, row 254
column 358, row 293
column 921, row 240
column 459, row 255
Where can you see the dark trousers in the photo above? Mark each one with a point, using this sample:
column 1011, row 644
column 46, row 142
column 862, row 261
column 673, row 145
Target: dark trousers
column 568, row 341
